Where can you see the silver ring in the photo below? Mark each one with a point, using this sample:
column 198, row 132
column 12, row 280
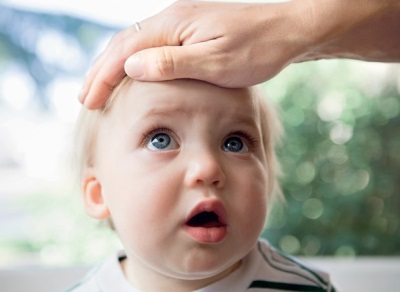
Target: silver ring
column 137, row 26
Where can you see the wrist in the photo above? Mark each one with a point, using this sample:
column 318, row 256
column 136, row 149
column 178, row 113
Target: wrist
column 287, row 24
column 343, row 29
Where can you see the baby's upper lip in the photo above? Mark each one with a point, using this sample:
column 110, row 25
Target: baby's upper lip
column 209, row 206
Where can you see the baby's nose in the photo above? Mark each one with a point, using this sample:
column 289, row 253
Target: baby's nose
column 205, row 169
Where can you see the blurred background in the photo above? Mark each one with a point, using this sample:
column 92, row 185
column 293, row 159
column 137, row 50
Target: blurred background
column 341, row 154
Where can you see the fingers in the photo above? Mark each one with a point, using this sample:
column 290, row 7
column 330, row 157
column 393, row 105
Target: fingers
column 108, row 69
column 101, row 88
column 164, row 63
column 187, row 40
column 174, row 62
column 156, row 64
column 206, row 61
column 100, row 81
column 164, row 29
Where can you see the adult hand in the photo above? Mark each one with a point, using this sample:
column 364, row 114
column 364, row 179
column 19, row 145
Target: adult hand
column 228, row 44
column 238, row 44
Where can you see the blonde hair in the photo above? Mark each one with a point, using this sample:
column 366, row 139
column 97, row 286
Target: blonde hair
column 272, row 134
column 86, row 130
column 89, row 122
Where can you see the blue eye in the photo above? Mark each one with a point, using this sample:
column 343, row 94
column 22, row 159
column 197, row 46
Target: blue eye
column 161, row 142
column 235, row 144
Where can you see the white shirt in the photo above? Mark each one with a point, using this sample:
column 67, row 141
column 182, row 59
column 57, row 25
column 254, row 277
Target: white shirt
column 264, row 269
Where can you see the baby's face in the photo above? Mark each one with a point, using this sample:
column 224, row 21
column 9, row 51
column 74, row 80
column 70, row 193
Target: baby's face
column 183, row 175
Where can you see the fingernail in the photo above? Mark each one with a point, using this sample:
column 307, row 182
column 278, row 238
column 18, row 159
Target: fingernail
column 134, row 66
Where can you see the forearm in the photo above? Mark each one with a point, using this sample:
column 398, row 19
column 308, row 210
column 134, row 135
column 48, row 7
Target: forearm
column 356, row 29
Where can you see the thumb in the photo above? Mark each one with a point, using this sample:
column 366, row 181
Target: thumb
column 169, row 62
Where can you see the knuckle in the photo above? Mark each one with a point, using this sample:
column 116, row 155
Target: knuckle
column 116, row 38
column 220, row 71
column 121, row 36
column 165, row 63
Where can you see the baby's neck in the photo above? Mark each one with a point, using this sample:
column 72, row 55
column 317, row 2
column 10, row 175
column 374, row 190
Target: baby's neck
column 144, row 280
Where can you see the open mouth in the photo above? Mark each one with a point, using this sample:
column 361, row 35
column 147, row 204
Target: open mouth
column 206, row 220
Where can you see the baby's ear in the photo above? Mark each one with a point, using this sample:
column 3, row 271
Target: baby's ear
column 93, row 198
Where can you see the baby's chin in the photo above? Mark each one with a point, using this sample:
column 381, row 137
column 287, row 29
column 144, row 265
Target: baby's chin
column 207, row 275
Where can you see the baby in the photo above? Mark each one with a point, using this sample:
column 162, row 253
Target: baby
column 185, row 171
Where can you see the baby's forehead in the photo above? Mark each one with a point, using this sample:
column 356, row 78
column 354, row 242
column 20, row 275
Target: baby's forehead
column 137, row 102
column 184, row 95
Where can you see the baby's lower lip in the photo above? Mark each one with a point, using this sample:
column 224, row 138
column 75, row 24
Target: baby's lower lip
column 206, row 234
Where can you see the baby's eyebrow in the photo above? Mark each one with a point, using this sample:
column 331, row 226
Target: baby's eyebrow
column 246, row 121
column 165, row 111
column 234, row 118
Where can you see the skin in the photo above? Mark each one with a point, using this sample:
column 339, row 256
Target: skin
column 241, row 44
column 149, row 193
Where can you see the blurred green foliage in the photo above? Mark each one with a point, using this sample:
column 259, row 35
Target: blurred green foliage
column 340, row 158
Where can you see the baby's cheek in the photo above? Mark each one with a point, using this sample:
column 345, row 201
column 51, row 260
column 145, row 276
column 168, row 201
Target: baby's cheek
column 257, row 209
column 254, row 202
column 248, row 199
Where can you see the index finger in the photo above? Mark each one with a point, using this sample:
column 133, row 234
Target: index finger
column 108, row 69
